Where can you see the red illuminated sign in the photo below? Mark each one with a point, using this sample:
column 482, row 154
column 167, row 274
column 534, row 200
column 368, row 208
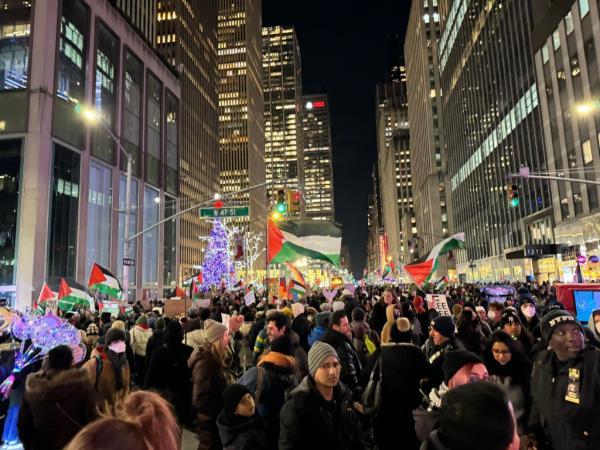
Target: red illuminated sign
column 318, row 104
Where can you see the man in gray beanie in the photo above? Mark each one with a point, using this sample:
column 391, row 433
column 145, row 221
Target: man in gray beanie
column 319, row 411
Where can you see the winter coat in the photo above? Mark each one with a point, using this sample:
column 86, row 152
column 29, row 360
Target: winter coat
column 351, row 366
column 435, row 355
column 209, row 380
column 55, row 407
column 308, row 421
column 301, row 326
column 269, row 382
column 104, row 379
column 139, row 339
column 155, row 341
column 567, row 425
column 316, row 334
column 533, row 326
column 195, row 339
column 241, row 433
column 378, row 317
column 169, row 374
column 360, row 329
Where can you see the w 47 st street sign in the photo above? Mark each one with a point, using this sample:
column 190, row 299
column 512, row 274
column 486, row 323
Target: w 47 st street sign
column 234, row 211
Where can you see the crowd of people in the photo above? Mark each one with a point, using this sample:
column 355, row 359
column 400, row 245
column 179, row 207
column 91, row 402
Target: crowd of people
column 374, row 369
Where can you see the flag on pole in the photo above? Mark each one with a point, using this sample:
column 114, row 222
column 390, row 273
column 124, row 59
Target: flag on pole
column 422, row 270
column 71, row 296
column 295, row 281
column 386, row 271
column 46, row 294
column 105, row 282
column 442, row 284
column 292, row 239
column 178, row 292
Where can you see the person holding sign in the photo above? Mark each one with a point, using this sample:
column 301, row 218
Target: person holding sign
column 565, row 387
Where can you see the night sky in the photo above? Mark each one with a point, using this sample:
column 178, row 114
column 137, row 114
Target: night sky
column 345, row 53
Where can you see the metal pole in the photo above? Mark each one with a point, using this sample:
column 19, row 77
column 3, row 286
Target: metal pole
column 550, row 177
column 126, row 241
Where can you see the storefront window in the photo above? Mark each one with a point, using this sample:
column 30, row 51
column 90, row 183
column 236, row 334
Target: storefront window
column 99, row 216
column 10, row 163
column 132, row 88
column 153, row 134
column 170, row 245
column 70, row 79
column 15, row 28
column 105, row 86
column 62, row 250
column 133, row 207
column 150, row 238
column 172, row 106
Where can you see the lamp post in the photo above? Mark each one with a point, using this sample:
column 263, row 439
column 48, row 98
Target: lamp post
column 92, row 117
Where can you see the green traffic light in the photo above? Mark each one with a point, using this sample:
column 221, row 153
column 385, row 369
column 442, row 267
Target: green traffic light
column 78, row 108
column 514, row 202
column 280, row 208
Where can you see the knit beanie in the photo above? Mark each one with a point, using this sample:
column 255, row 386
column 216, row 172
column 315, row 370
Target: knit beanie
column 444, row 325
column 317, row 354
column 401, row 331
column 456, row 360
column 113, row 335
column 509, row 316
column 213, row 330
column 142, row 320
column 118, row 324
column 554, row 319
column 288, row 312
column 232, row 395
column 297, row 309
column 321, row 317
column 282, row 344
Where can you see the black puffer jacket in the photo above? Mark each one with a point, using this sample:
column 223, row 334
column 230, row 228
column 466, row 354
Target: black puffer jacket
column 351, row 367
column 567, row 425
column 308, row 421
column 241, row 433
column 436, row 354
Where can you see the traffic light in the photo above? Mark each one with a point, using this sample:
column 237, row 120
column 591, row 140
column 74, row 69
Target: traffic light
column 280, row 202
column 513, row 195
column 293, row 201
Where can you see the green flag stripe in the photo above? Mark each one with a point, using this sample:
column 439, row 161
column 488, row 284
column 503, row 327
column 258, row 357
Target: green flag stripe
column 310, row 228
column 290, row 252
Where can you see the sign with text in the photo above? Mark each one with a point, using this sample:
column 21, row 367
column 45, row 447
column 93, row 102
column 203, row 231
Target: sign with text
column 129, row 262
column 234, row 211
column 111, row 307
column 439, row 303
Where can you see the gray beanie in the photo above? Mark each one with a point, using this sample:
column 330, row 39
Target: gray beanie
column 213, row 330
column 317, row 354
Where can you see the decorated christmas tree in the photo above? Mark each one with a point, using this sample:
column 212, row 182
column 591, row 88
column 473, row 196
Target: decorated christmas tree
column 217, row 265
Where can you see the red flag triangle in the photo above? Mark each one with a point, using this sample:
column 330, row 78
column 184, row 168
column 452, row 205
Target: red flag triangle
column 46, row 294
column 63, row 289
column 97, row 276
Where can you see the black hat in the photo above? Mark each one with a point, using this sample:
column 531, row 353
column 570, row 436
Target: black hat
column 113, row 335
column 509, row 317
column 554, row 319
column 469, row 305
column 444, row 325
column 525, row 300
column 456, row 360
column 282, row 344
column 232, row 395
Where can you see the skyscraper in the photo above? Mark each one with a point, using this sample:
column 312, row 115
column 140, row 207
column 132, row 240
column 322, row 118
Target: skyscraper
column 241, row 106
column 282, row 85
column 141, row 14
column 428, row 160
column 490, row 100
column 318, row 170
column 393, row 153
column 187, row 39
column 565, row 45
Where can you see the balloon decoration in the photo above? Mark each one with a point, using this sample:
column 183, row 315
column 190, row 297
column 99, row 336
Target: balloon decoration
column 39, row 335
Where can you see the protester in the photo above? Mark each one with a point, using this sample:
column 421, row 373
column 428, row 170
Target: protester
column 58, row 401
column 565, row 387
column 157, row 338
column 441, row 341
column 469, row 331
column 318, row 414
column 511, row 324
column 140, row 334
column 378, row 315
column 494, row 314
column 364, row 339
column 142, row 421
column 529, row 317
column 301, row 325
column 321, row 325
column 239, row 427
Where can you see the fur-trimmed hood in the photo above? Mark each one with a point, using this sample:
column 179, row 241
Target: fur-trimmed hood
column 47, row 384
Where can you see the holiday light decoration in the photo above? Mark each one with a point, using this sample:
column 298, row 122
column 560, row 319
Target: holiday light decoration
column 217, row 264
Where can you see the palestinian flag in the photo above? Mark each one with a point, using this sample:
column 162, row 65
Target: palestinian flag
column 178, row 292
column 71, row 296
column 422, row 270
column 295, row 281
column 196, row 279
column 292, row 239
column 46, row 294
column 105, row 282
column 442, row 284
column 386, row 271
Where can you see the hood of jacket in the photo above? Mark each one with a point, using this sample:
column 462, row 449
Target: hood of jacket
column 592, row 325
column 231, row 426
column 46, row 386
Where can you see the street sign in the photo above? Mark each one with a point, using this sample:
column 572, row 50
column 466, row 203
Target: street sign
column 129, row 262
column 234, row 211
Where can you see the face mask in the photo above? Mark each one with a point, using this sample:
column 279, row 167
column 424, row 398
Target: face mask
column 528, row 311
column 492, row 314
column 117, row 346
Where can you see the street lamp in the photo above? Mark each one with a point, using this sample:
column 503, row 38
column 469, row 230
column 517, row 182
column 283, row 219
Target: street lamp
column 92, row 117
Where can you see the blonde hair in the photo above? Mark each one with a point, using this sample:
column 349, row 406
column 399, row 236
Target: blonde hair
column 142, row 421
column 118, row 324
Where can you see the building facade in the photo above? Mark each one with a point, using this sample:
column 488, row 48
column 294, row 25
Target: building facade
column 282, row 87
column 63, row 183
column 428, row 160
column 241, row 109
column 141, row 15
column 493, row 128
column 375, row 256
column 565, row 42
column 187, row 39
column 395, row 178
column 318, row 163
